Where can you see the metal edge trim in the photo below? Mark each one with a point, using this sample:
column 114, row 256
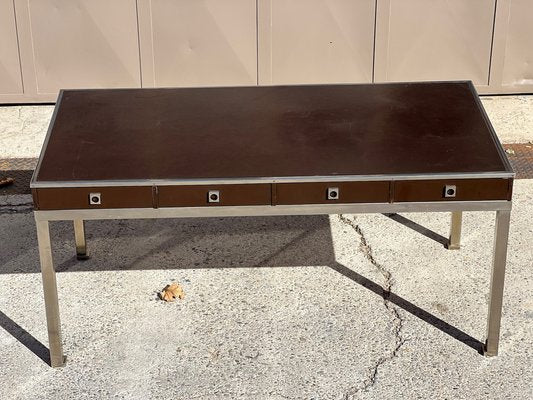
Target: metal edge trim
column 268, row 210
column 493, row 135
column 46, row 139
column 258, row 180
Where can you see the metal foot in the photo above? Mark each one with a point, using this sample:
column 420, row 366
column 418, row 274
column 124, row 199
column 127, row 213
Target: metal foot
column 454, row 243
column 501, row 237
column 50, row 294
column 81, row 244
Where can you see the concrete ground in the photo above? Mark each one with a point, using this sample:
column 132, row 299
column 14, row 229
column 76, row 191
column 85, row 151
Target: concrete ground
column 275, row 308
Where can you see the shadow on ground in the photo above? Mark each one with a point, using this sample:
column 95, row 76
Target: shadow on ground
column 273, row 242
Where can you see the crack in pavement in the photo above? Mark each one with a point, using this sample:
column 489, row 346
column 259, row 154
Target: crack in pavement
column 22, row 208
column 366, row 249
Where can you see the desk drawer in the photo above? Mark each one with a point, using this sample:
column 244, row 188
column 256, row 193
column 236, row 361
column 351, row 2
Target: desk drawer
column 214, row 195
column 321, row 192
column 458, row 190
column 93, row 198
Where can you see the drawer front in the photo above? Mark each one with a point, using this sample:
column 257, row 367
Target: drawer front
column 214, row 195
column 332, row 192
column 453, row 190
column 93, row 198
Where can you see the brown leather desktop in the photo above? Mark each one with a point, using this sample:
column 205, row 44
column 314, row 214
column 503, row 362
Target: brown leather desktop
column 270, row 145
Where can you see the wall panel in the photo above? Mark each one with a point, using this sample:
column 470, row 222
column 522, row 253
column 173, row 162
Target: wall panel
column 512, row 62
column 434, row 40
column 315, row 41
column 78, row 44
column 198, row 43
column 518, row 66
column 10, row 74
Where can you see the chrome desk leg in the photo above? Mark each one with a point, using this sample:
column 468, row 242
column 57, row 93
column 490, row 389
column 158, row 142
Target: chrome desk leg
column 81, row 244
column 496, row 285
column 50, row 294
column 454, row 243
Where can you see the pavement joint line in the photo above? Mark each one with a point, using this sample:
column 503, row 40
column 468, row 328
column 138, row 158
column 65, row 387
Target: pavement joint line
column 366, row 250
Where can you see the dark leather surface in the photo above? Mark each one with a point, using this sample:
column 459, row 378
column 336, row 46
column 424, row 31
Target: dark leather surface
column 327, row 130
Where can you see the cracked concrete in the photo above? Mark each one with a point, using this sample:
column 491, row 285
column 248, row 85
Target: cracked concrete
column 16, row 204
column 365, row 248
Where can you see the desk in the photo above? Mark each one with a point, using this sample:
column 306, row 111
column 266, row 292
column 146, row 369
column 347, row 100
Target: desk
column 255, row 151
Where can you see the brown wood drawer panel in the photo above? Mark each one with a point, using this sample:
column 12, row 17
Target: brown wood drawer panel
column 465, row 190
column 78, row 198
column 229, row 195
column 317, row 192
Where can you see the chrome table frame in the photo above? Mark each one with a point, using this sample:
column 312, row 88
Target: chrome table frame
column 502, row 208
